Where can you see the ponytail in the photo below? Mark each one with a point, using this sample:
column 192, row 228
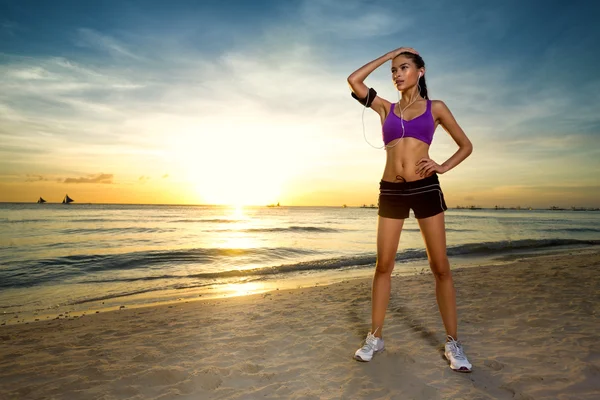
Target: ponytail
column 423, row 88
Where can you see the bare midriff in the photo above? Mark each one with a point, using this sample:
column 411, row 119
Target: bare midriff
column 401, row 160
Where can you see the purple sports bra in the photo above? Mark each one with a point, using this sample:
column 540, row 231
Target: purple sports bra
column 421, row 127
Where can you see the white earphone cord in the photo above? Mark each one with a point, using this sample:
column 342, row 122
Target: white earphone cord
column 401, row 118
column 363, row 123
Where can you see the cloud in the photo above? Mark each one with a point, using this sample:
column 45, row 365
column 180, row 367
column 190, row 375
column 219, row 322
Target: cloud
column 281, row 97
column 10, row 27
column 60, row 97
column 35, row 178
column 144, row 179
column 98, row 178
column 351, row 19
column 545, row 189
column 91, row 38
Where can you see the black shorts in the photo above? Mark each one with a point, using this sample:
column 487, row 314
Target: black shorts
column 424, row 196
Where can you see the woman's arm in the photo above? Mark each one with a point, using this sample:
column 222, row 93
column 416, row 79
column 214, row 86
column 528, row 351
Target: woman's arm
column 426, row 166
column 356, row 79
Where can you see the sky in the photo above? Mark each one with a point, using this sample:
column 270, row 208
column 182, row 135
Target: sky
column 238, row 102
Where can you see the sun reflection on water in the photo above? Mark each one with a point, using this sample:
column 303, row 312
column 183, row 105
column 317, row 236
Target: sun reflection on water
column 244, row 288
column 237, row 212
column 235, row 236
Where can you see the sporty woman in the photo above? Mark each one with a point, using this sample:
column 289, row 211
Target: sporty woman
column 410, row 181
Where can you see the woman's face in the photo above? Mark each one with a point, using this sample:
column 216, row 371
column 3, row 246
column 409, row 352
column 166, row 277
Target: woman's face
column 404, row 73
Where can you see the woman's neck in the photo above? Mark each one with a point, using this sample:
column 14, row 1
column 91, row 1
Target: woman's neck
column 410, row 96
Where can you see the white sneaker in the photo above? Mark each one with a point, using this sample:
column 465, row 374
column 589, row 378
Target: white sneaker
column 454, row 353
column 372, row 345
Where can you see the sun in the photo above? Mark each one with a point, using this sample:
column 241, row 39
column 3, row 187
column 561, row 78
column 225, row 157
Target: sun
column 240, row 179
column 223, row 169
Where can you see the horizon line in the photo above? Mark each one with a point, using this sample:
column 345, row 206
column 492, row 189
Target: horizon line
column 458, row 207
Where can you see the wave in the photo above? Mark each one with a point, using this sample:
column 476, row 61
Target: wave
column 111, row 220
column 292, row 229
column 447, row 230
column 200, row 220
column 76, row 220
column 129, row 229
column 337, row 263
column 37, row 272
column 21, row 221
column 511, row 245
column 486, row 248
column 60, row 269
column 313, row 229
column 577, row 230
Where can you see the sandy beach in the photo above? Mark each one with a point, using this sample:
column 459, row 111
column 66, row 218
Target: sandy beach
column 530, row 328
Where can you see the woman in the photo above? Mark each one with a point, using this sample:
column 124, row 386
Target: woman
column 410, row 180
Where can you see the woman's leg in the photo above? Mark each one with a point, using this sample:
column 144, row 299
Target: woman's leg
column 388, row 237
column 434, row 234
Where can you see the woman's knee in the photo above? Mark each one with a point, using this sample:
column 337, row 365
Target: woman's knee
column 441, row 270
column 385, row 267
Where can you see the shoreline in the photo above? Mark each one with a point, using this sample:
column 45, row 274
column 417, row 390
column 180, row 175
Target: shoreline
column 261, row 286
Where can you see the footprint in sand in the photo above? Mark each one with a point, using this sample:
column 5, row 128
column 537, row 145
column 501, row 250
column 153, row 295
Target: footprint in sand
column 333, row 330
column 147, row 357
column 250, row 368
column 516, row 394
column 254, row 316
column 493, row 364
column 163, row 376
column 251, row 338
column 208, row 379
column 87, row 336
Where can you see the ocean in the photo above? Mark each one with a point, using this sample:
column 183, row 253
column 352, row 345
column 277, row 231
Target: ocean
column 76, row 258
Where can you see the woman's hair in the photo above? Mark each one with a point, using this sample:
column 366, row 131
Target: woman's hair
column 420, row 64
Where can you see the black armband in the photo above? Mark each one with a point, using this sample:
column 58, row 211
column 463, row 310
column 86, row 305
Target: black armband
column 367, row 101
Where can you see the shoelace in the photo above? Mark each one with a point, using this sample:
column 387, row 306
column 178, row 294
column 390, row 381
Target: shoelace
column 369, row 342
column 456, row 349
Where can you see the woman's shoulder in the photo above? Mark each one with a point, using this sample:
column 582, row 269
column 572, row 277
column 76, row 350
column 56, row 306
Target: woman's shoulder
column 438, row 105
column 440, row 110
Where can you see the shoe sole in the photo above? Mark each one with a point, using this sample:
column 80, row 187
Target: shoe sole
column 357, row 358
column 463, row 370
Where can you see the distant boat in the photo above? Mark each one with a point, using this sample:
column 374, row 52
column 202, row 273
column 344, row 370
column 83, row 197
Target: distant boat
column 67, row 200
column 468, row 208
column 274, row 205
column 344, row 206
column 580, row 209
column 40, row 200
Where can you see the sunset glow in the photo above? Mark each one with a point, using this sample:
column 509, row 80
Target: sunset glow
column 115, row 112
